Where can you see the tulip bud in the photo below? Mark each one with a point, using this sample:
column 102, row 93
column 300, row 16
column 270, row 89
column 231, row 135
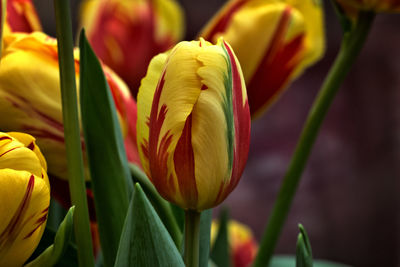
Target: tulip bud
column 24, row 197
column 373, row 5
column 243, row 246
column 30, row 97
column 273, row 40
column 127, row 34
column 21, row 17
column 194, row 124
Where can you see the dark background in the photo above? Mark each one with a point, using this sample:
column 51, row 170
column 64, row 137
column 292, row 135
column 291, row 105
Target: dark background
column 348, row 199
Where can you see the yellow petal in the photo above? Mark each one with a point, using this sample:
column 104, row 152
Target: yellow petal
column 25, row 200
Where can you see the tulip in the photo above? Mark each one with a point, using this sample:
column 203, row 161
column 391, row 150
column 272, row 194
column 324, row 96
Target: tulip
column 30, row 99
column 373, row 5
column 273, row 40
column 24, row 197
column 243, row 246
column 194, row 123
column 21, row 17
column 126, row 34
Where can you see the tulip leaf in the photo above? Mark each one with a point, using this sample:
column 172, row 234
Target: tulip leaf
column 303, row 249
column 220, row 250
column 111, row 180
column 162, row 207
column 54, row 252
column 205, row 231
column 290, row 261
column 146, row 241
column 344, row 20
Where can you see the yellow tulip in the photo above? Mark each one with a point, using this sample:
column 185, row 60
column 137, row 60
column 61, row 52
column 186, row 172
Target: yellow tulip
column 274, row 40
column 126, row 34
column 243, row 246
column 24, row 197
column 194, row 124
column 373, row 5
column 30, row 99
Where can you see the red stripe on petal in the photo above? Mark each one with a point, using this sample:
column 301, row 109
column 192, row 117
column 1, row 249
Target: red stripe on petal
column 5, row 138
column 8, row 151
column 276, row 67
column 241, row 116
column 184, row 165
column 7, row 237
column 224, row 20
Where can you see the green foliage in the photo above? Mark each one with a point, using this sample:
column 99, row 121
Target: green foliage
column 303, row 249
column 220, row 250
column 205, row 231
column 111, row 180
column 55, row 252
column 146, row 241
column 290, row 261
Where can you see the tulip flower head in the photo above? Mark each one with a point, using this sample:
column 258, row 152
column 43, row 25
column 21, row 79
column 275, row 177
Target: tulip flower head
column 373, row 5
column 273, row 40
column 21, row 17
column 194, row 124
column 243, row 246
column 126, row 34
column 30, row 97
column 24, row 197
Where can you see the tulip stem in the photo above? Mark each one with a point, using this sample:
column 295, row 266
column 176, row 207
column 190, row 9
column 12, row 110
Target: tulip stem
column 72, row 133
column 351, row 46
column 192, row 231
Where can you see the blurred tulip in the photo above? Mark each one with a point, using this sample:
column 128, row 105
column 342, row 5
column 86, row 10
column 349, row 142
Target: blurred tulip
column 21, row 17
column 242, row 244
column 194, row 124
column 126, row 34
column 24, row 197
column 273, row 40
column 373, row 5
column 30, row 98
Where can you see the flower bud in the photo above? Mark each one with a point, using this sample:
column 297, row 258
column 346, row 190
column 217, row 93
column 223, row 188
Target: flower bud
column 127, row 34
column 24, row 197
column 30, row 97
column 21, row 17
column 243, row 246
column 194, row 124
column 273, row 40
column 372, row 5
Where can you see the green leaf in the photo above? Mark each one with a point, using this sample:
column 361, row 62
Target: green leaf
column 162, row 207
column 220, row 251
column 303, row 249
column 344, row 20
column 111, row 180
column 61, row 241
column 146, row 241
column 290, row 261
column 205, row 231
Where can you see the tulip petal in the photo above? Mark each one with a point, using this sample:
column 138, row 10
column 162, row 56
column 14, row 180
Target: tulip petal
column 24, row 209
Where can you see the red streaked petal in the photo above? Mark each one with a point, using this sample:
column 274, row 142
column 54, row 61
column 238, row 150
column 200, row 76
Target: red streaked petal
column 184, row 165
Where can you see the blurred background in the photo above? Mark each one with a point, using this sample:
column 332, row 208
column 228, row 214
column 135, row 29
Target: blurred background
column 349, row 196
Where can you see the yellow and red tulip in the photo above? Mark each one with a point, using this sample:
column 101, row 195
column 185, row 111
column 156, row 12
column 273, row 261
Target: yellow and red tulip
column 243, row 246
column 194, row 123
column 24, row 197
column 273, row 40
column 30, row 99
column 21, row 17
column 126, row 34
column 373, row 5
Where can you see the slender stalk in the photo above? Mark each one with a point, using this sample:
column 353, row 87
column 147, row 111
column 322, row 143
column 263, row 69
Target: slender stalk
column 192, row 230
column 72, row 133
column 352, row 44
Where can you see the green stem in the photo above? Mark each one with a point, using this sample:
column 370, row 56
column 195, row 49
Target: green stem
column 192, row 230
column 352, row 44
column 162, row 206
column 72, row 133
